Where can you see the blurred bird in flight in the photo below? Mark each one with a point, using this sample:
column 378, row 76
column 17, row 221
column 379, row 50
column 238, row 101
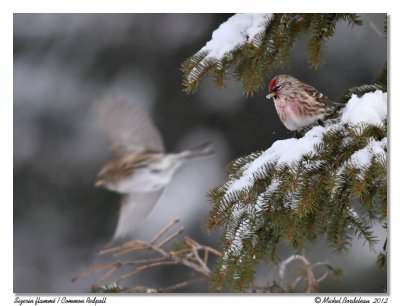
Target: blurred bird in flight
column 141, row 169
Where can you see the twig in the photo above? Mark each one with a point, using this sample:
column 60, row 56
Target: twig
column 297, row 281
column 205, row 259
column 106, row 275
column 132, row 246
column 164, row 230
column 194, row 245
column 143, row 261
column 119, row 247
column 109, row 250
column 93, row 270
column 191, row 257
column 172, row 237
column 194, row 266
column 188, row 256
column 312, row 284
column 326, row 272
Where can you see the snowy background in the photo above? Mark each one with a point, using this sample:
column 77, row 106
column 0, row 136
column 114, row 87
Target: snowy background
column 64, row 63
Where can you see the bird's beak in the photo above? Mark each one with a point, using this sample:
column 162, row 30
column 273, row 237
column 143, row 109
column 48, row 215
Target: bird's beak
column 99, row 182
column 271, row 95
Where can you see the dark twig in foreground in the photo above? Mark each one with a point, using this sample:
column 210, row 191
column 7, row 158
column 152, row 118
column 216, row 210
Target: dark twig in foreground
column 190, row 254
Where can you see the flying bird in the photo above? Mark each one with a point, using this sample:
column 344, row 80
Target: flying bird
column 141, row 169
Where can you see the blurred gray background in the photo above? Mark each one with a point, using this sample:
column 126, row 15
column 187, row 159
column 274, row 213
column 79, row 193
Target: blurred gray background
column 64, row 63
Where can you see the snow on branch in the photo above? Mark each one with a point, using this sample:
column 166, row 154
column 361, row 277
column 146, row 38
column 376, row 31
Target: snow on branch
column 236, row 31
column 369, row 109
column 305, row 188
column 252, row 46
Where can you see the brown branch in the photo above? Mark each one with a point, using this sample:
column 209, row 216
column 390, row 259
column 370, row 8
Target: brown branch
column 145, row 267
column 308, row 276
column 212, row 251
column 132, row 246
column 163, row 231
column 93, row 270
column 195, row 246
column 114, row 249
column 191, row 257
column 188, row 256
column 326, row 272
column 172, row 237
column 195, row 266
column 205, row 258
column 143, row 261
column 311, row 282
column 106, row 275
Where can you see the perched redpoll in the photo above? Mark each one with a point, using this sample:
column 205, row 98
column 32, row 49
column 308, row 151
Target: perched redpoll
column 141, row 169
column 297, row 104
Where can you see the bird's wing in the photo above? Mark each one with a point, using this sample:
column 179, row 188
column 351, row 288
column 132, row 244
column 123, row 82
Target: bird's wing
column 130, row 129
column 135, row 207
column 320, row 97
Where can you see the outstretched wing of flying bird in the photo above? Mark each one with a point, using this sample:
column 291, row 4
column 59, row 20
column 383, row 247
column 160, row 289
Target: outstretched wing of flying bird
column 135, row 207
column 130, row 129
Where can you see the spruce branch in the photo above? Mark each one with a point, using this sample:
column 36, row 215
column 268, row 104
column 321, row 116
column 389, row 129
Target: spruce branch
column 263, row 205
column 269, row 199
column 256, row 56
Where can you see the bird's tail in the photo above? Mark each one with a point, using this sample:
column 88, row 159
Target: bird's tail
column 201, row 150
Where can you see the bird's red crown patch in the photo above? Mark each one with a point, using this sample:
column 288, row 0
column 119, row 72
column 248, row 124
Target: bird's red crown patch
column 272, row 84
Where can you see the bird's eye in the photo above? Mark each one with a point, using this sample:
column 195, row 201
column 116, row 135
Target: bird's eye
column 277, row 87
